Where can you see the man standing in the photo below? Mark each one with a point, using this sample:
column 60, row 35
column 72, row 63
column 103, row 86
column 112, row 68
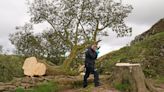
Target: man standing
column 90, row 57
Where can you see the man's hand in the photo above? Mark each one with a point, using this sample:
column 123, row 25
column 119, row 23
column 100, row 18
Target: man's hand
column 97, row 52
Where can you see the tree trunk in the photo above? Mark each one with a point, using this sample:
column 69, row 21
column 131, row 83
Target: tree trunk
column 77, row 49
column 67, row 62
column 131, row 79
column 139, row 79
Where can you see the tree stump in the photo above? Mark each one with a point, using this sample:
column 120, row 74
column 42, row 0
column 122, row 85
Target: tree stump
column 132, row 76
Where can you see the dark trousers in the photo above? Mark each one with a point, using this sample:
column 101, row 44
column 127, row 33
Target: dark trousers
column 90, row 70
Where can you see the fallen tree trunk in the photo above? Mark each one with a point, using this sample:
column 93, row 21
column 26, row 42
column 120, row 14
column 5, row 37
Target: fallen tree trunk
column 34, row 67
column 130, row 78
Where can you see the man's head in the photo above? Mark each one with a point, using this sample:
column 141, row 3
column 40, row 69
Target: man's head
column 94, row 47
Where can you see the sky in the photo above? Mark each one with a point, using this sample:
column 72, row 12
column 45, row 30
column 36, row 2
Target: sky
column 145, row 13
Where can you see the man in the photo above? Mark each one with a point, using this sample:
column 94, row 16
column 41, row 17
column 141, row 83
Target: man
column 90, row 57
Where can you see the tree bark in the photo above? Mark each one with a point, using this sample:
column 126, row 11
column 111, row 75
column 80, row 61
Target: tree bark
column 134, row 77
column 139, row 79
column 69, row 59
column 76, row 49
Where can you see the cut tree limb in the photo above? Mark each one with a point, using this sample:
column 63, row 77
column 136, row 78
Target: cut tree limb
column 32, row 67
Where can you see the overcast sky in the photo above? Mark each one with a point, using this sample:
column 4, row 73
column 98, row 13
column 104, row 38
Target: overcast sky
column 143, row 16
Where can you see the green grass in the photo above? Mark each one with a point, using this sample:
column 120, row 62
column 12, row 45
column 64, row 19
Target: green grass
column 146, row 52
column 122, row 87
column 10, row 66
column 77, row 84
column 44, row 87
column 160, row 80
column 19, row 89
column 89, row 88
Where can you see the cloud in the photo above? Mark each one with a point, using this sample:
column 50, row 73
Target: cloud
column 146, row 11
column 143, row 16
column 13, row 13
column 112, row 42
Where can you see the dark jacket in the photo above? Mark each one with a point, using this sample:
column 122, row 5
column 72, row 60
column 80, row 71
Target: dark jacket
column 90, row 57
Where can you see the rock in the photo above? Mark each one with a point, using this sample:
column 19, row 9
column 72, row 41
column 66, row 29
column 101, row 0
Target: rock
column 27, row 80
column 9, row 83
column 162, row 50
column 32, row 67
column 41, row 79
column 17, row 84
column 161, row 54
column 162, row 46
column 26, row 85
column 2, row 88
column 10, row 87
column 49, row 78
column 1, row 83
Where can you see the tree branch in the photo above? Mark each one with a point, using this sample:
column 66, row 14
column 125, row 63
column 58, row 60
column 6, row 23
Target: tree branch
column 85, row 35
column 105, row 26
column 59, row 33
column 96, row 31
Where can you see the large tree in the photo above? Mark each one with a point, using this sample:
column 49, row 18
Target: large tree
column 79, row 22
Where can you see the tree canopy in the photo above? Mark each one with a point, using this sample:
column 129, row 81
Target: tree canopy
column 77, row 23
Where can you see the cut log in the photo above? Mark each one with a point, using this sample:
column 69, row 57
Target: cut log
column 32, row 67
column 40, row 69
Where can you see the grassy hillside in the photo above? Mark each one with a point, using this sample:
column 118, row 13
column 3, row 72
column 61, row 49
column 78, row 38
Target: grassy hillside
column 149, row 52
column 10, row 66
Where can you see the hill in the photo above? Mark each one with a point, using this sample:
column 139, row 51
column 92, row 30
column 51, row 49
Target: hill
column 147, row 49
column 156, row 28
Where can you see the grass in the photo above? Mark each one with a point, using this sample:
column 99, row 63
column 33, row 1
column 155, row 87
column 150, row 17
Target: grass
column 145, row 52
column 10, row 66
column 77, row 84
column 122, row 87
column 19, row 89
column 44, row 87
column 160, row 80
column 88, row 88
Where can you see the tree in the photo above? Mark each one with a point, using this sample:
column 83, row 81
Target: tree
column 78, row 22
column 45, row 45
column 54, row 47
column 25, row 41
